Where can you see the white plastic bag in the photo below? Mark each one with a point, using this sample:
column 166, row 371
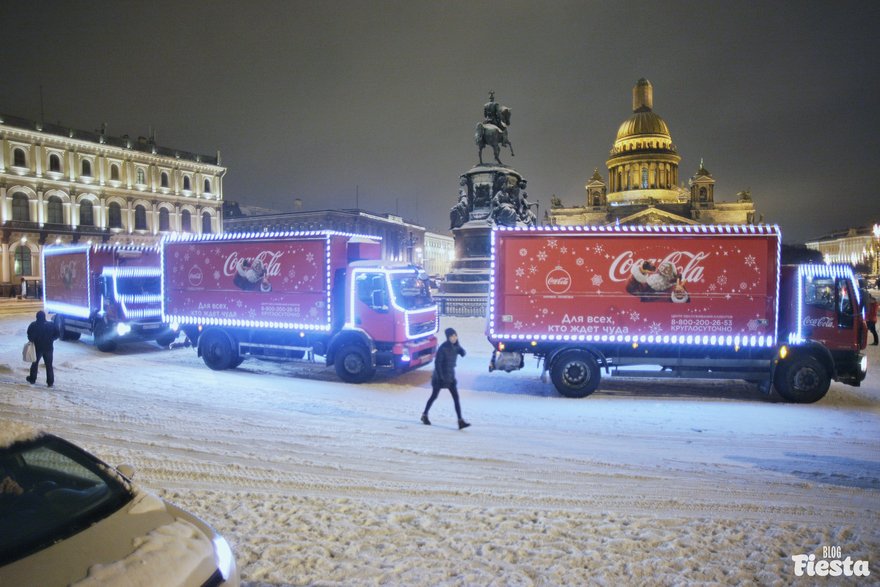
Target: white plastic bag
column 29, row 352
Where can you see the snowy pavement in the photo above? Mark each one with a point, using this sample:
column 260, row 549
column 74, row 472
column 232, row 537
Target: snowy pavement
column 314, row 481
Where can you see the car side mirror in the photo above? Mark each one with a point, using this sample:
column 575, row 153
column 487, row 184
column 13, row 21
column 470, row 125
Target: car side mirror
column 127, row 471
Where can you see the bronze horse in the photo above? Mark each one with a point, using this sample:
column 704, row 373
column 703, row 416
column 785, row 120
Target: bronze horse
column 493, row 136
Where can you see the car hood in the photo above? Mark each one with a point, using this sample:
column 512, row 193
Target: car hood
column 146, row 542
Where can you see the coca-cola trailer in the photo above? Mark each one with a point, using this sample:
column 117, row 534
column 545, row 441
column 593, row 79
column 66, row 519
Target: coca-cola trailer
column 294, row 295
column 694, row 301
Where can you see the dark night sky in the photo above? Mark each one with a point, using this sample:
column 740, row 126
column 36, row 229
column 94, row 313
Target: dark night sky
column 310, row 99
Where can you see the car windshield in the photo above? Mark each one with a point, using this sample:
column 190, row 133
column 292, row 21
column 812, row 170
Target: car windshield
column 410, row 292
column 134, row 286
column 50, row 490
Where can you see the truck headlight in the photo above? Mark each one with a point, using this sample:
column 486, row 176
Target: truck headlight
column 864, row 364
column 122, row 329
column 225, row 559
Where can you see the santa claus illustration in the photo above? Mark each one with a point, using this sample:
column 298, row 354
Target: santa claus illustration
column 250, row 275
column 653, row 283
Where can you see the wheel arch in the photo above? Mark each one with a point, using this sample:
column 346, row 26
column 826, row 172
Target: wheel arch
column 551, row 357
column 346, row 337
column 817, row 350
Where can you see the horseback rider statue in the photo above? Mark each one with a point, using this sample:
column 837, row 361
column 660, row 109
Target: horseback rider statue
column 493, row 130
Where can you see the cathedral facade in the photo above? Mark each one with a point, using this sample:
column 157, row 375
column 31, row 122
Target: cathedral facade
column 643, row 185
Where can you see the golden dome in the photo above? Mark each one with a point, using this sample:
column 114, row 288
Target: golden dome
column 646, row 122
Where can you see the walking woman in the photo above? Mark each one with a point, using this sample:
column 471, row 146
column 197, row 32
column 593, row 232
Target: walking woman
column 444, row 375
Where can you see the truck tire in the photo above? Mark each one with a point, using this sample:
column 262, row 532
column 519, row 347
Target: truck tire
column 165, row 340
column 802, row 379
column 104, row 338
column 575, row 374
column 62, row 333
column 353, row 364
column 217, row 350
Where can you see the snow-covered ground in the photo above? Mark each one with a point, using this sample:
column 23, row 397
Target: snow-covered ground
column 318, row 482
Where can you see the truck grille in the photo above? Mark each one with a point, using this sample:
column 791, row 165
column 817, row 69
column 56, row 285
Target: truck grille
column 422, row 328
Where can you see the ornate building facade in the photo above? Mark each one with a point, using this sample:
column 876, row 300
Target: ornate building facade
column 62, row 185
column 643, row 185
column 859, row 246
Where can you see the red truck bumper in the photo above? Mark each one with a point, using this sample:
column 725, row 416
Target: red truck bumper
column 412, row 354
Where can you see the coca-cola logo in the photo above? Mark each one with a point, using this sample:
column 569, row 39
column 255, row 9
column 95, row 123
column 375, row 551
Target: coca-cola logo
column 558, row 280
column 687, row 265
column 270, row 260
column 823, row 322
column 195, row 276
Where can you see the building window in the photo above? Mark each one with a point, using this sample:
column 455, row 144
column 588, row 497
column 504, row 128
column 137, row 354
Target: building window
column 186, row 184
column 185, row 221
column 20, row 207
column 18, row 158
column 22, row 261
column 55, row 210
column 163, row 179
column 86, row 213
column 55, row 163
column 114, row 215
column 207, row 186
column 140, row 217
column 164, row 222
column 644, row 178
column 114, row 172
column 704, row 195
column 206, row 223
column 141, row 176
column 86, row 168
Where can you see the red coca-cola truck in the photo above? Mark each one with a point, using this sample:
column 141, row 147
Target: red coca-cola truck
column 692, row 301
column 111, row 292
column 294, row 295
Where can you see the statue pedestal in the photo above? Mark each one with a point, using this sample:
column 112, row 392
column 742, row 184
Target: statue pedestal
column 470, row 270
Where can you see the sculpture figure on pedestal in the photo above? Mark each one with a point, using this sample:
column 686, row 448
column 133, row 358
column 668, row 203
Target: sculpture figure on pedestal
column 493, row 130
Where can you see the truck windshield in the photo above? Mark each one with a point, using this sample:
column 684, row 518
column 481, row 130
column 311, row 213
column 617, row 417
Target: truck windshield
column 133, row 286
column 410, row 292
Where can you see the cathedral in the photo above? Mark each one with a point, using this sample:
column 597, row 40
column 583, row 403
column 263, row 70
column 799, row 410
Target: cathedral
column 643, row 184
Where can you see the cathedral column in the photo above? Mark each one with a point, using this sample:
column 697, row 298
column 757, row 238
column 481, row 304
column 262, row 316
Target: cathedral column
column 4, row 271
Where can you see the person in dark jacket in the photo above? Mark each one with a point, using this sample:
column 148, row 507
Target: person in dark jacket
column 444, row 375
column 43, row 334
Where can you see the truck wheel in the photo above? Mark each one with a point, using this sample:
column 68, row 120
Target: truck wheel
column 165, row 340
column 575, row 374
column 217, row 351
column 803, row 380
column 62, row 333
column 104, row 338
column 353, row 364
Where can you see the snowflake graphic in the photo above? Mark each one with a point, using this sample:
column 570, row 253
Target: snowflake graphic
column 750, row 260
column 216, row 275
column 711, row 287
column 310, row 257
column 563, row 250
column 545, row 311
column 520, row 271
column 634, row 316
column 313, row 312
column 656, row 328
column 597, row 280
column 598, row 249
column 286, row 280
column 533, row 269
column 542, row 256
column 177, row 254
column 523, row 252
column 186, row 257
column 552, row 243
column 727, row 297
column 518, row 325
column 580, row 262
column 722, row 279
column 252, row 313
column 744, row 286
column 237, row 303
column 533, row 291
column 291, row 273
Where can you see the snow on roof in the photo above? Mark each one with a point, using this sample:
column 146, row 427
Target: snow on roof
column 12, row 432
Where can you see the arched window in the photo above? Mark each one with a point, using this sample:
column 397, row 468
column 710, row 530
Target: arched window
column 20, row 207
column 140, row 217
column 596, row 200
column 86, row 213
column 644, row 178
column 185, row 221
column 114, row 215
column 704, row 195
column 86, row 168
column 141, row 176
column 207, row 186
column 206, row 223
column 186, row 184
column 114, row 172
column 22, row 261
column 18, row 158
column 55, row 210
column 163, row 179
column 55, row 163
column 164, row 222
